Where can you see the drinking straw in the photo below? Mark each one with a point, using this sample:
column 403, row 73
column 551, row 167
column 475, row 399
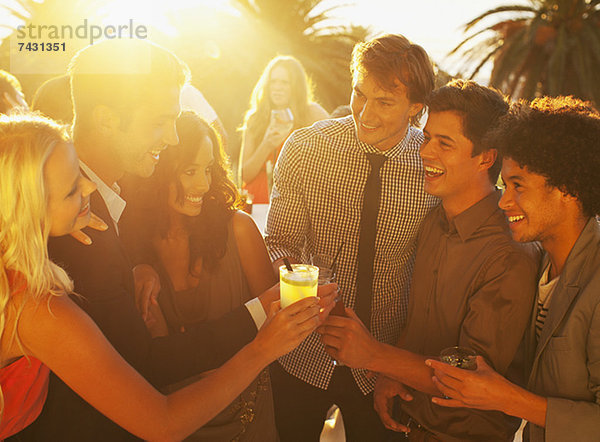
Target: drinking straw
column 288, row 266
column 335, row 258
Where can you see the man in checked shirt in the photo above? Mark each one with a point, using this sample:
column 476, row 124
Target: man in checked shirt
column 316, row 208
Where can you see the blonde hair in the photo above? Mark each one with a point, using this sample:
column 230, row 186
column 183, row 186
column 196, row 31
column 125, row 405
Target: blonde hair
column 258, row 116
column 26, row 142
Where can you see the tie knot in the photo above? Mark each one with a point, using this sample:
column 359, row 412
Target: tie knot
column 376, row 160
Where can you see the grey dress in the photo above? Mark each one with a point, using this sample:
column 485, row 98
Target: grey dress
column 250, row 416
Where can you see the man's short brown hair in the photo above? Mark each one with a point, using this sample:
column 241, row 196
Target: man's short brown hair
column 121, row 74
column 392, row 58
column 480, row 109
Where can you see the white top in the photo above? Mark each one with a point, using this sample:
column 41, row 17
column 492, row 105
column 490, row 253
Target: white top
column 192, row 99
column 545, row 289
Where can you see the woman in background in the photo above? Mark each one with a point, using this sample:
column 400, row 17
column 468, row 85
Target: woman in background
column 281, row 101
column 42, row 194
column 209, row 255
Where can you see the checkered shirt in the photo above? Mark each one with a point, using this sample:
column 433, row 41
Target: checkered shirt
column 315, row 207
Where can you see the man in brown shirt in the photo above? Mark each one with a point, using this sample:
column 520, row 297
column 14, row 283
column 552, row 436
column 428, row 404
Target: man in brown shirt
column 472, row 285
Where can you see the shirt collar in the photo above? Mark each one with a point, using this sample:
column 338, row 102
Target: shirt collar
column 398, row 149
column 467, row 222
column 110, row 194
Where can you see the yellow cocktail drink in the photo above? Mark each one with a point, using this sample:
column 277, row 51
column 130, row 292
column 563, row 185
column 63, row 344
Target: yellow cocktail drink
column 301, row 283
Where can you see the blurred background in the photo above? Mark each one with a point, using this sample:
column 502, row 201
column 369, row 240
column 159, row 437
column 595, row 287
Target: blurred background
column 526, row 48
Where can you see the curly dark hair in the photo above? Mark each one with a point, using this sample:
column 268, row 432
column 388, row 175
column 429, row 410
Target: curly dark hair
column 480, row 108
column 558, row 138
column 208, row 231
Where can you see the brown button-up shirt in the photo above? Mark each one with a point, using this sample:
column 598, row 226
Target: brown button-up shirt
column 472, row 286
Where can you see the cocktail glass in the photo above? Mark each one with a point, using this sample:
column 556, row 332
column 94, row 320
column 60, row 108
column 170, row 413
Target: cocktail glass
column 325, row 264
column 460, row 357
column 299, row 284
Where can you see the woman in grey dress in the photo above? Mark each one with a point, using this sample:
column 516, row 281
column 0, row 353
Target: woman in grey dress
column 210, row 256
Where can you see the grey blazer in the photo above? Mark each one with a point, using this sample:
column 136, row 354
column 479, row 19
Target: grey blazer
column 566, row 360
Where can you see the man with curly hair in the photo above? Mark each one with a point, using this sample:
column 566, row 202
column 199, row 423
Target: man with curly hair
column 550, row 168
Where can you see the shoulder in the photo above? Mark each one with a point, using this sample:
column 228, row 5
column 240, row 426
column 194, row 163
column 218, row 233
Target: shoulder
column 243, row 225
column 251, row 121
column 39, row 316
column 316, row 112
column 503, row 254
column 314, row 145
column 324, row 131
column 431, row 218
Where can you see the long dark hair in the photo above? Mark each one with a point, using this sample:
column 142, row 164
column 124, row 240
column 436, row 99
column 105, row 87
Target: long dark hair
column 208, row 230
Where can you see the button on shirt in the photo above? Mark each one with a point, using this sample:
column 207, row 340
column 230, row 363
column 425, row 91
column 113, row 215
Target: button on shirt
column 315, row 208
column 472, row 286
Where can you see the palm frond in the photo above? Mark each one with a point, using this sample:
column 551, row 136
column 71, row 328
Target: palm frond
column 510, row 8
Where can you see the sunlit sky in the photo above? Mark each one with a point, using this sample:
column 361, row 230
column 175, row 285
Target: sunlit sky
column 434, row 24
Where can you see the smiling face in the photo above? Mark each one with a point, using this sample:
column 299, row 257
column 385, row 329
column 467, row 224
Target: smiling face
column 68, row 191
column 451, row 172
column 280, row 87
column 380, row 116
column 150, row 131
column 194, row 180
column 533, row 208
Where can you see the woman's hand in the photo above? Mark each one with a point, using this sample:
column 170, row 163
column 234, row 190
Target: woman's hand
column 147, row 286
column 275, row 135
column 286, row 329
column 155, row 321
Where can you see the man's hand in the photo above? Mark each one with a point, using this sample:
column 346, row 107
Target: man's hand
column 155, row 321
column 327, row 293
column 347, row 340
column 383, row 398
column 95, row 223
column 147, row 286
column 483, row 388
